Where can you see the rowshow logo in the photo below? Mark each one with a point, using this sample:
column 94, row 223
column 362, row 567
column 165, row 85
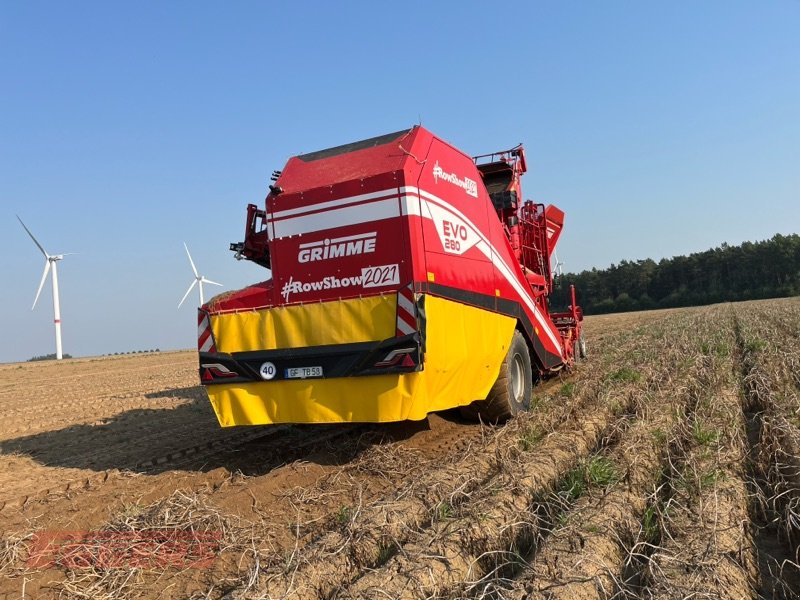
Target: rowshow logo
column 370, row 277
column 469, row 186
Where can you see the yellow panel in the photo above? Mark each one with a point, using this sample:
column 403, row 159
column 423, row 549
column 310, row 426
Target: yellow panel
column 370, row 399
column 465, row 348
column 316, row 324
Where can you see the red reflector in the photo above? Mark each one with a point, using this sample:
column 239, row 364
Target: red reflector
column 407, row 362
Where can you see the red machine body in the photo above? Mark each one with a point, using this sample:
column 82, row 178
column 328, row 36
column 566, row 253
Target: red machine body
column 424, row 213
column 403, row 214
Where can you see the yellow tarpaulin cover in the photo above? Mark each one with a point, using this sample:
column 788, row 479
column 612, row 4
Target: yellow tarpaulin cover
column 465, row 347
column 302, row 325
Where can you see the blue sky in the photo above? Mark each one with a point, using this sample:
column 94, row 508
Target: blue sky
column 660, row 128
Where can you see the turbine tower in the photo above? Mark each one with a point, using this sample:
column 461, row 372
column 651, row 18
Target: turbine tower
column 197, row 279
column 51, row 261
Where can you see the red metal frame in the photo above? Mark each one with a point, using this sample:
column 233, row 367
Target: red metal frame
column 533, row 230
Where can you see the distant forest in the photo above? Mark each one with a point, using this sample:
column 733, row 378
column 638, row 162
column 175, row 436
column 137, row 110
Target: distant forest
column 768, row 269
column 48, row 357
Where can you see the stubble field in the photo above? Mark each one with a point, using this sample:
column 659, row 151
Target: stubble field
column 667, row 465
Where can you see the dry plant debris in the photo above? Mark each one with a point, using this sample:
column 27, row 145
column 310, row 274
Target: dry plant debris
column 666, row 466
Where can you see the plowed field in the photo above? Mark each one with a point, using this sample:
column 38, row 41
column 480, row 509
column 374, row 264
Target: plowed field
column 666, row 465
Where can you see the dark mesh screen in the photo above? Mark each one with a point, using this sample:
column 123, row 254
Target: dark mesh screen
column 352, row 147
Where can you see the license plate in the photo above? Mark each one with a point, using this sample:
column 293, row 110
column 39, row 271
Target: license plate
column 303, row 372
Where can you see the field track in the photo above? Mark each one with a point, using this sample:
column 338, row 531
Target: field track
column 666, row 466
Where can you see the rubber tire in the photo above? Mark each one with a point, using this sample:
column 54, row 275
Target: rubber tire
column 511, row 392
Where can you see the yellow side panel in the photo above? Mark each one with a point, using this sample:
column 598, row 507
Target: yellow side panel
column 465, row 348
column 318, row 324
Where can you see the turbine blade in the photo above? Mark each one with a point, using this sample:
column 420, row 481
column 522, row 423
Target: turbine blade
column 191, row 262
column 191, row 287
column 35, row 241
column 211, row 282
column 41, row 283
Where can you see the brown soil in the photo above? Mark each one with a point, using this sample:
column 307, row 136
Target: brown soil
column 770, row 367
column 586, row 556
column 440, row 507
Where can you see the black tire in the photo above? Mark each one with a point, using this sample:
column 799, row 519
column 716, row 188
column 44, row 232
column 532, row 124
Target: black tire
column 511, row 392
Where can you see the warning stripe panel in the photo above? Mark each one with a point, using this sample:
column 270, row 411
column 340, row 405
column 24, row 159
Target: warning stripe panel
column 406, row 312
column 205, row 339
column 206, row 345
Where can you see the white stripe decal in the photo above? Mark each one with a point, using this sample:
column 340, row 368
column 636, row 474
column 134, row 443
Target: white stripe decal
column 411, row 204
column 349, row 238
column 347, row 215
column 282, row 214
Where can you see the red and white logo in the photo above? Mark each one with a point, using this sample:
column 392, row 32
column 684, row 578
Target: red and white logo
column 456, row 234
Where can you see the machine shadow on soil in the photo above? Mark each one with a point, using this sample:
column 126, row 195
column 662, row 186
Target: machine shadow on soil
column 134, row 441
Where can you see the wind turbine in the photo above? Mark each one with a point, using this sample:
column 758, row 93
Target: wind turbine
column 51, row 261
column 197, row 279
column 558, row 267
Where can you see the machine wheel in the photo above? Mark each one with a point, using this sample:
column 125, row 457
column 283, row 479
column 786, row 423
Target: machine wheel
column 511, row 392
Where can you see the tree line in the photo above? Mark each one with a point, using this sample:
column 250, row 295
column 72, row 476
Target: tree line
column 53, row 355
column 752, row 270
column 48, row 357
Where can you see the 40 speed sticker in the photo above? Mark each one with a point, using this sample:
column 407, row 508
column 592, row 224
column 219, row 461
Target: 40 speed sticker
column 370, row 277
